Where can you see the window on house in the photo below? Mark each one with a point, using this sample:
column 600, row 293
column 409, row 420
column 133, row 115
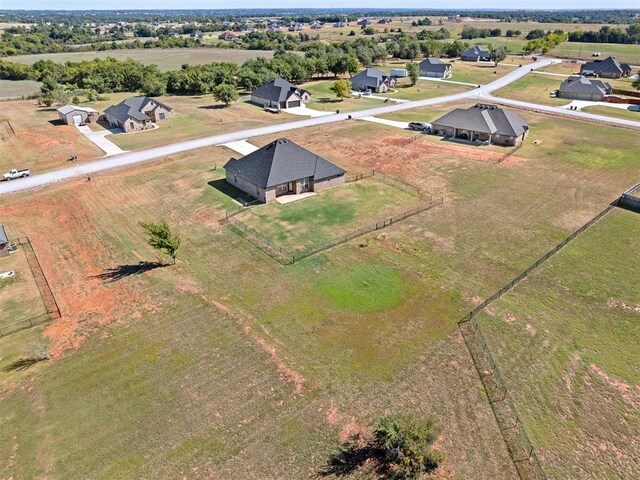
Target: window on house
column 161, row 116
column 235, row 178
column 131, row 125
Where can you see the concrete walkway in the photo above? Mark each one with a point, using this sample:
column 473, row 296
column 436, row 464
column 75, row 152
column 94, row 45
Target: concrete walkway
column 384, row 121
column 284, row 199
column 107, row 146
column 444, row 80
column 307, row 112
column 376, row 97
column 580, row 104
column 241, row 146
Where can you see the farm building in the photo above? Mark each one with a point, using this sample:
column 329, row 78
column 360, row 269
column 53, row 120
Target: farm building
column 483, row 123
column 279, row 93
column 435, row 68
column 583, row 88
column 282, row 168
column 136, row 113
column 607, row 68
column 4, row 240
column 372, row 79
column 475, row 54
column 74, row 115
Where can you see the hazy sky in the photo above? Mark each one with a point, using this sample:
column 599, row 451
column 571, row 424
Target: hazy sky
column 186, row 4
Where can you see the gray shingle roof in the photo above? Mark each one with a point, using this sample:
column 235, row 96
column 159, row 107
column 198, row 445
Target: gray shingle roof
column 3, row 235
column 371, row 77
column 282, row 161
column 278, row 90
column 433, row 65
column 584, row 85
column 608, row 65
column 131, row 108
column 484, row 118
column 475, row 51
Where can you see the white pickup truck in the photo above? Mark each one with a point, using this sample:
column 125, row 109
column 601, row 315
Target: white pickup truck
column 13, row 174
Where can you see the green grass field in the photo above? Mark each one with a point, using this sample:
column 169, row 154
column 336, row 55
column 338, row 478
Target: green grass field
column 477, row 73
column 322, row 98
column 613, row 112
column 566, row 342
column 224, row 364
column 331, row 213
column 166, row 59
column 17, row 89
column 582, row 51
column 534, row 88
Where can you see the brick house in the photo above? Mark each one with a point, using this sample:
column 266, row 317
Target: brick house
column 583, row 88
column 282, row 168
column 137, row 113
column 435, row 68
column 482, row 123
column 372, row 79
column 279, row 93
column 475, row 54
column 607, row 68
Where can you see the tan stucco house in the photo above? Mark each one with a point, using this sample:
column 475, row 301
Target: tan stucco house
column 282, row 168
column 137, row 113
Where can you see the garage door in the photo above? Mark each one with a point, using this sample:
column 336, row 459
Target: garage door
column 77, row 119
column 294, row 104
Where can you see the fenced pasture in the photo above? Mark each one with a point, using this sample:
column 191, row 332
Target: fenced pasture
column 255, row 360
column 26, row 299
column 365, row 204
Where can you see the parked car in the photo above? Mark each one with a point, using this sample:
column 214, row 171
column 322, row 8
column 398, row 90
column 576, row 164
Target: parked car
column 13, row 174
column 271, row 109
column 423, row 127
column 367, row 92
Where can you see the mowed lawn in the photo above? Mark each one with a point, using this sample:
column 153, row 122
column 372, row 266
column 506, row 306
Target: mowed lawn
column 194, row 117
column 165, row 58
column 19, row 296
column 229, row 361
column 331, row 213
column 613, row 112
column 583, row 51
column 478, row 73
column 534, row 88
column 18, row 88
column 566, row 342
column 40, row 142
column 322, row 98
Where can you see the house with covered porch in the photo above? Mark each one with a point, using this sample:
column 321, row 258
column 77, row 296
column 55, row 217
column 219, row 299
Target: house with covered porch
column 482, row 123
column 282, row 168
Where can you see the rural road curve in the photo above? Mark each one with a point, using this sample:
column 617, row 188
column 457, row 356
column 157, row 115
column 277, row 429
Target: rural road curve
column 131, row 158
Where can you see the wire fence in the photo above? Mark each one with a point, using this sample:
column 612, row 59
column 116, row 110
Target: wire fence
column 285, row 256
column 468, row 153
column 504, row 410
column 48, row 299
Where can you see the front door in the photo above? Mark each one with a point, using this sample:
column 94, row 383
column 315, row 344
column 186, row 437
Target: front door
column 291, row 187
column 304, row 185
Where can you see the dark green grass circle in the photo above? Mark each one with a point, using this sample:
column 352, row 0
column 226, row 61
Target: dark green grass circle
column 363, row 287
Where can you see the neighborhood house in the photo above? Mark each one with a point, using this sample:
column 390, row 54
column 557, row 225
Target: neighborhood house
column 136, row 113
column 482, row 123
column 74, row 115
column 607, row 68
column 282, row 168
column 435, row 68
column 582, row 88
column 372, row 79
column 279, row 93
column 475, row 54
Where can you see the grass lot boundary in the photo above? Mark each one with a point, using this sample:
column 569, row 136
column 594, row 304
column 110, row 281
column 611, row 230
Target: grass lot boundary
column 53, row 311
column 515, row 436
column 471, row 155
column 287, row 257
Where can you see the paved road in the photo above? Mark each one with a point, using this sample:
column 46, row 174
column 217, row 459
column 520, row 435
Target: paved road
column 130, row 158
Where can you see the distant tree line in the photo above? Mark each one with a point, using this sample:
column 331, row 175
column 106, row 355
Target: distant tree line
column 606, row 34
column 203, row 16
column 469, row 32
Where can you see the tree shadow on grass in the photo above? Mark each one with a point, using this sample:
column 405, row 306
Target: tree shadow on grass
column 349, row 458
column 124, row 271
column 23, row 364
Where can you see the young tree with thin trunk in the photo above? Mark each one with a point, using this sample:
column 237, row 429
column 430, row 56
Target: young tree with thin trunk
column 498, row 54
column 162, row 238
column 342, row 88
column 225, row 93
column 413, row 70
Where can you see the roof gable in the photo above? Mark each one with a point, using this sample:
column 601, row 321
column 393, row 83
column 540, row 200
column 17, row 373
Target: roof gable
column 371, row 77
column 486, row 119
column 282, row 161
column 278, row 90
